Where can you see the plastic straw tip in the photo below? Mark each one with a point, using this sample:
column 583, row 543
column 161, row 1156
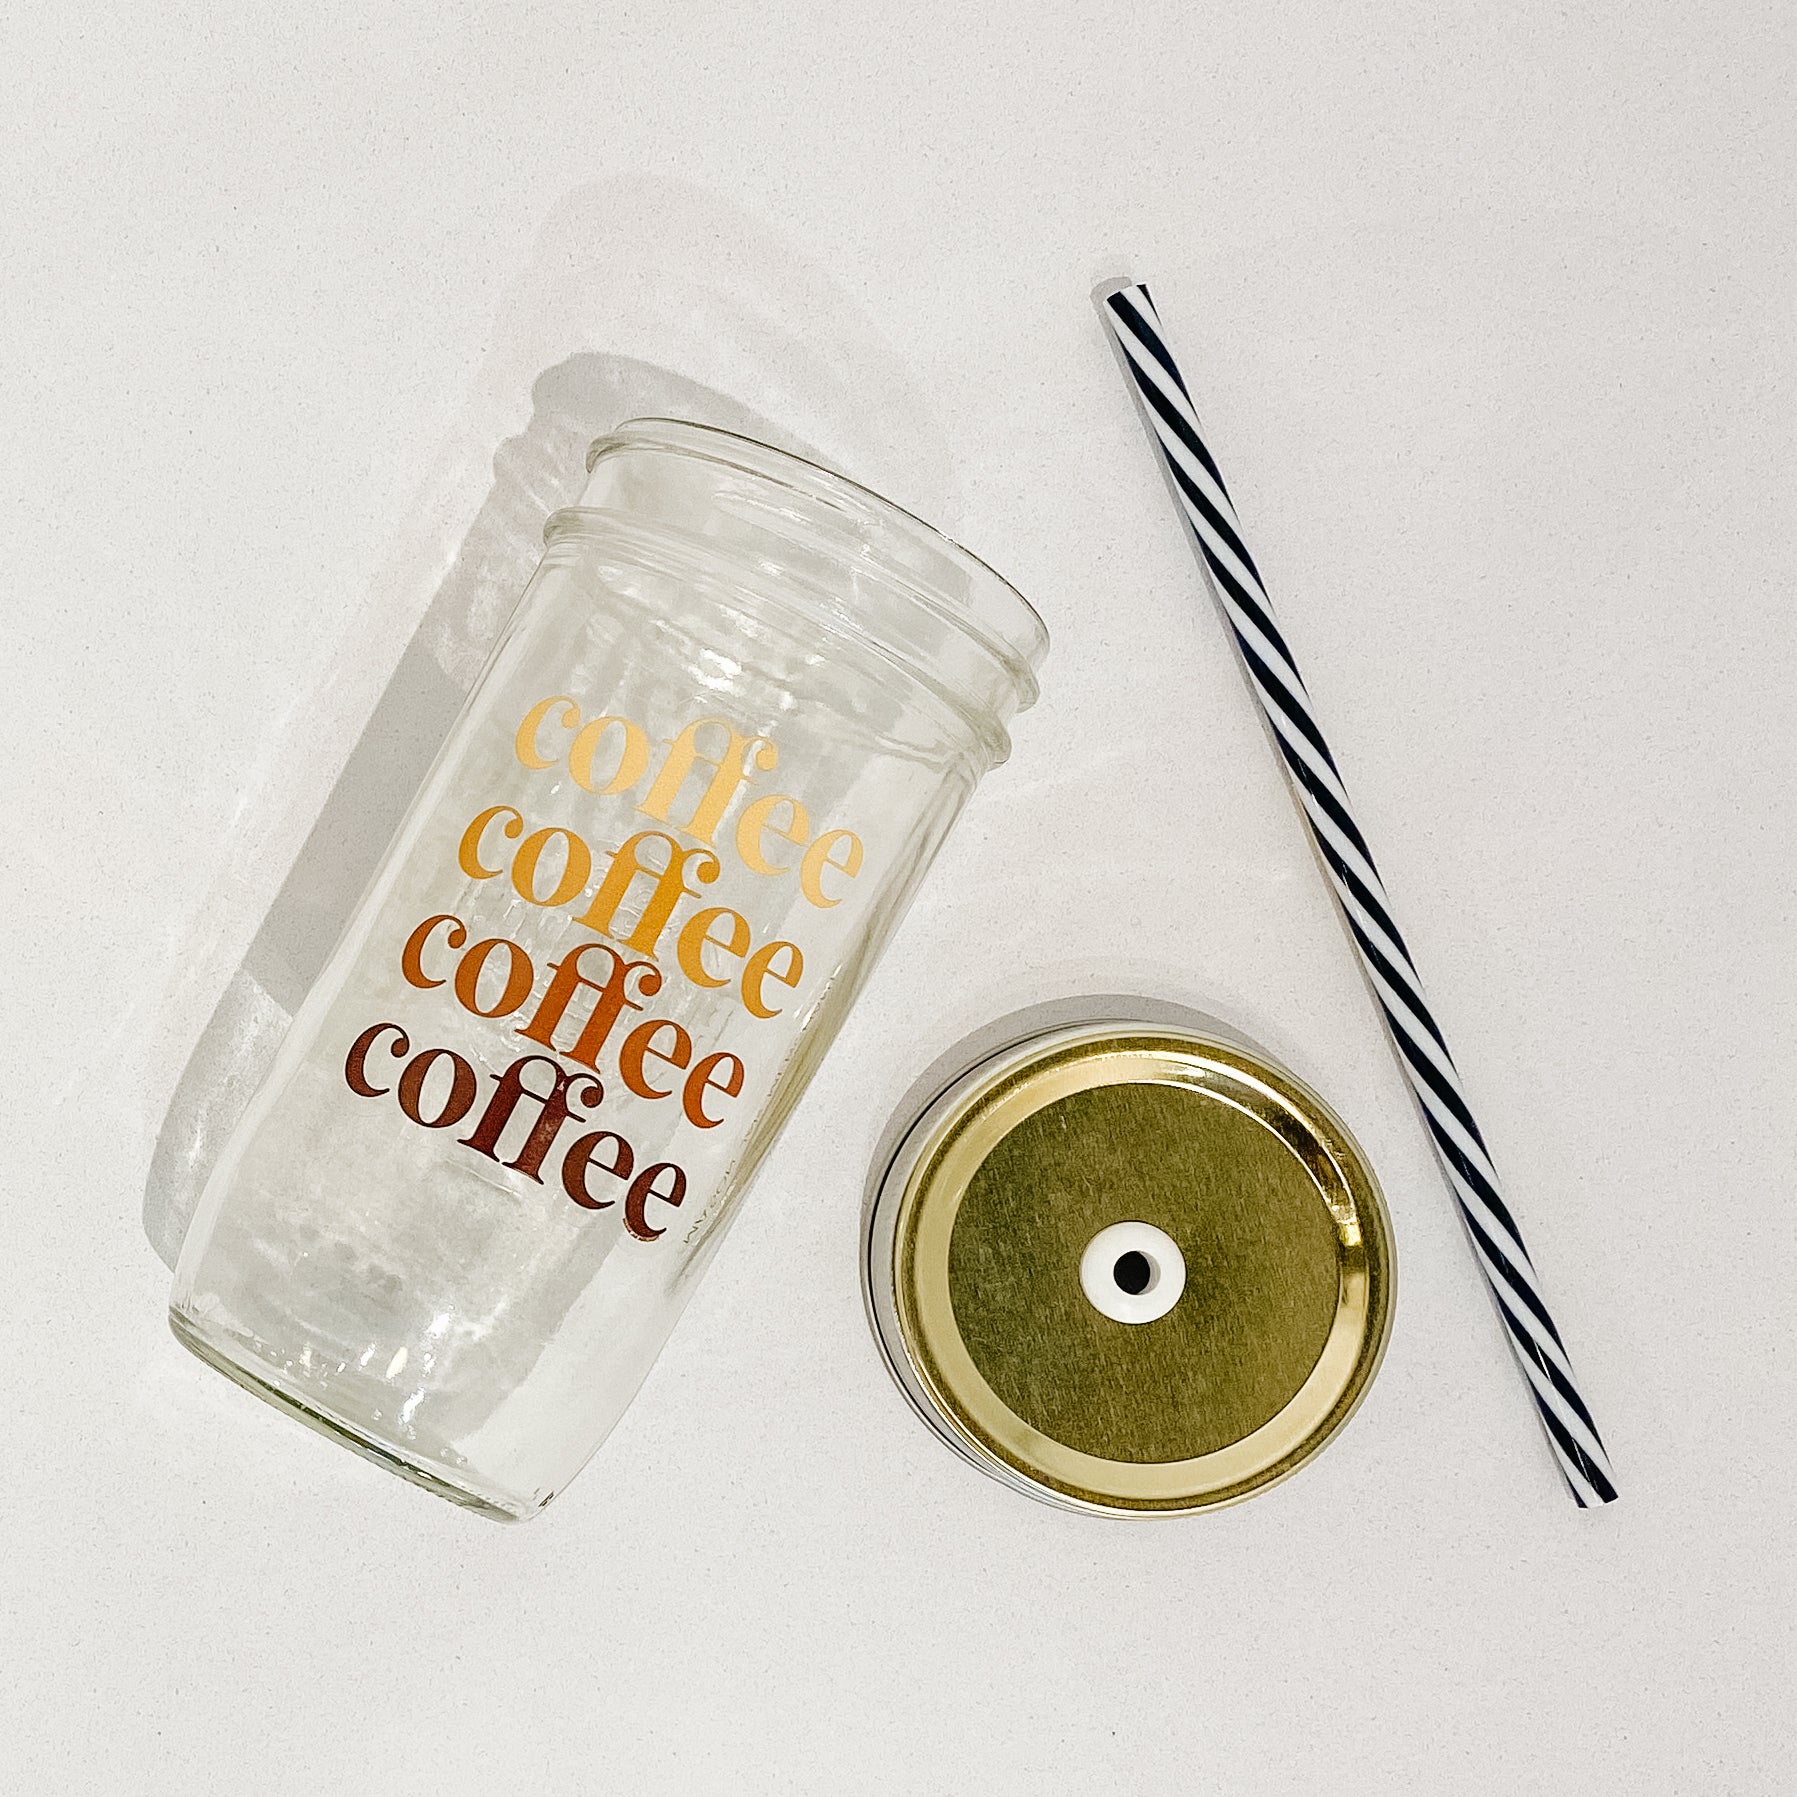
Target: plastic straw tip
column 1117, row 284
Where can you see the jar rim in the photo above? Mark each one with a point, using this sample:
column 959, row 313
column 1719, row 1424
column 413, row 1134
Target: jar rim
column 995, row 613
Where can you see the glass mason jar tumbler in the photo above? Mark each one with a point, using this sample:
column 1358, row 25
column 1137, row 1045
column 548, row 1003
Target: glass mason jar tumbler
column 739, row 706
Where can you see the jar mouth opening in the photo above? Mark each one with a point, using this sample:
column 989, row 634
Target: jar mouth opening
column 988, row 608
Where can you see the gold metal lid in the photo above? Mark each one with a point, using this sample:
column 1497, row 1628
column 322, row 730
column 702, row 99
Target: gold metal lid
column 1131, row 1268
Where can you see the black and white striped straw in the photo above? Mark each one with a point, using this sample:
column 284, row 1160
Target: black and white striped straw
column 1316, row 781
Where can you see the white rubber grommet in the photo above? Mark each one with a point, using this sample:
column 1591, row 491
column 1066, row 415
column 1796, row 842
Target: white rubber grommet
column 1166, row 1272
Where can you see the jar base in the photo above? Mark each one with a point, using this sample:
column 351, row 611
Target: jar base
column 191, row 1335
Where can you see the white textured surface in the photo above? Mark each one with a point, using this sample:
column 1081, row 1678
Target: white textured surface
column 1488, row 309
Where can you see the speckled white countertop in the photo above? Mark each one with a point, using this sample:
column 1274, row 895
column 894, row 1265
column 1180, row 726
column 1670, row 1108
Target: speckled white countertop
column 1489, row 311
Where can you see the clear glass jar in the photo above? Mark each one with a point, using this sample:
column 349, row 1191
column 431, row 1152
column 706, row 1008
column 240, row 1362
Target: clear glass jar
column 740, row 704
